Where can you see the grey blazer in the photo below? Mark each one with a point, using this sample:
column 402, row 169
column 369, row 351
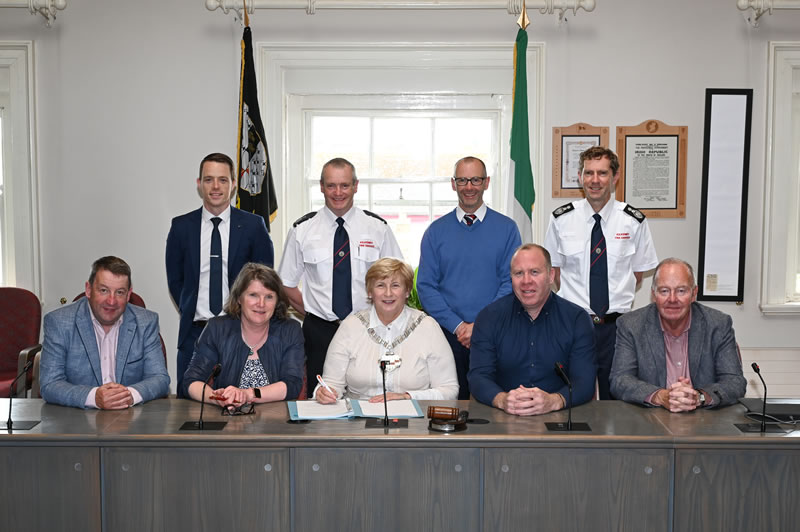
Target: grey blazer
column 640, row 366
column 70, row 365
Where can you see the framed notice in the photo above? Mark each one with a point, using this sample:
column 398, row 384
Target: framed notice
column 652, row 159
column 723, row 208
column 568, row 144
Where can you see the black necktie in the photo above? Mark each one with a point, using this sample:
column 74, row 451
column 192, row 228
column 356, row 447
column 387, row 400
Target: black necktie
column 598, row 271
column 215, row 278
column 342, row 295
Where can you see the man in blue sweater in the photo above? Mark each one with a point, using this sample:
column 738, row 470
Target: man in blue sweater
column 464, row 262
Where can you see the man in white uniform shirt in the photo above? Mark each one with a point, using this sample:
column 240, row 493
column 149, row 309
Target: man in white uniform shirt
column 329, row 251
column 600, row 248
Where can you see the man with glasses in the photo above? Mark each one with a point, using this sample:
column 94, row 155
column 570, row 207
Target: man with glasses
column 676, row 353
column 600, row 248
column 464, row 262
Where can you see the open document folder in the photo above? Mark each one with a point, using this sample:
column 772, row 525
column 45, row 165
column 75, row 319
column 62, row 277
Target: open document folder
column 346, row 408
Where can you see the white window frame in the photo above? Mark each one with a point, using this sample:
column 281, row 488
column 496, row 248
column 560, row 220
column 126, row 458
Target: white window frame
column 277, row 61
column 781, row 186
column 21, row 213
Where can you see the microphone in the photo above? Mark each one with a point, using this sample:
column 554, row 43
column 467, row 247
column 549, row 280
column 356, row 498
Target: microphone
column 764, row 406
column 569, row 426
column 561, row 373
column 28, row 365
column 214, row 374
column 385, row 404
column 199, row 424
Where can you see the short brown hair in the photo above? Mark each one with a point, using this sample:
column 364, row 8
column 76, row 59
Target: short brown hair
column 112, row 264
column 253, row 271
column 530, row 247
column 217, row 158
column 469, row 159
column 386, row 267
column 598, row 152
column 338, row 162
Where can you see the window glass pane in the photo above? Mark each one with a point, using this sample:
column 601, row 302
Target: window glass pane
column 398, row 192
column 408, row 226
column 458, row 137
column 402, row 147
column 339, row 136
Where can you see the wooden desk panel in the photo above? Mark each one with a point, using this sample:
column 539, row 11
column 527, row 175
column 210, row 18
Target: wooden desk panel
column 387, row 489
column 50, row 488
column 167, row 489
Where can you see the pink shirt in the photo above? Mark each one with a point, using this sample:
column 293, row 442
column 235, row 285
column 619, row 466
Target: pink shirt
column 107, row 347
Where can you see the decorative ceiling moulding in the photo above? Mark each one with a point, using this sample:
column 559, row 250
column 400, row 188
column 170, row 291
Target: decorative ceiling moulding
column 45, row 8
column 513, row 7
column 761, row 7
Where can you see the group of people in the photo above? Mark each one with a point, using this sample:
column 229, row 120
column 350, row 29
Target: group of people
column 498, row 316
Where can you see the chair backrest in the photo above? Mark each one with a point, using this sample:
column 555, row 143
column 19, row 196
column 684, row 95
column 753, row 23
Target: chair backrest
column 20, row 325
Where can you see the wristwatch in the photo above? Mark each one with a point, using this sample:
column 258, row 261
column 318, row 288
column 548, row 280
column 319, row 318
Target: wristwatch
column 257, row 392
column 701, row 398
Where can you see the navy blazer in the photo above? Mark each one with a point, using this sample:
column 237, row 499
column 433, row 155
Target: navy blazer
column 70, row 365
column 282, row 356
column 248, row 242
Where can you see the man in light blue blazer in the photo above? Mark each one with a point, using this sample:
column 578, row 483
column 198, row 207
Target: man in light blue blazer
column 676, row 353
column 190, row 258
column 100, row 352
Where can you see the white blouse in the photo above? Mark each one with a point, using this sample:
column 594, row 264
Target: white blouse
column 427, row 370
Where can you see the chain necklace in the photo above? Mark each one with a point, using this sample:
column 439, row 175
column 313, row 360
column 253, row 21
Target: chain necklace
column 380, row 341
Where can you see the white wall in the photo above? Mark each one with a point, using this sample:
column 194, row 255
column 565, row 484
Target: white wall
column 131, row 95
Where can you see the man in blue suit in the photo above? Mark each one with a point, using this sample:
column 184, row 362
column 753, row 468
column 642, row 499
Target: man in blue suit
column 206, row 248
column 100, row 352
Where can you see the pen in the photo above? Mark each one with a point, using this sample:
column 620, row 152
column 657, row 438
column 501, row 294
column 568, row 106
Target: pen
column 322, row 383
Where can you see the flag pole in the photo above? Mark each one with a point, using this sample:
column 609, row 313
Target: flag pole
column 523, row 21
column 247, row 17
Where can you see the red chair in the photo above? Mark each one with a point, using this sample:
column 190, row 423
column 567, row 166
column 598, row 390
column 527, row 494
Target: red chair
column 20, row 325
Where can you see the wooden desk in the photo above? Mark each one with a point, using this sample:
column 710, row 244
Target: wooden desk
column 639, row 469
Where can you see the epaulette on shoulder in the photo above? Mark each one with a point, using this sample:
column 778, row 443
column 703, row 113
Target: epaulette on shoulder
column 564, row 209
column 635, row 213
column 374, row 216
column 304, row 218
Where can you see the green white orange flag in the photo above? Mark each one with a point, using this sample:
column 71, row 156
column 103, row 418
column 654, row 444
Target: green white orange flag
column 520, row 172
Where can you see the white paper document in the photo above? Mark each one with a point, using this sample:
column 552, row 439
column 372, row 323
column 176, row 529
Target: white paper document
column 314, row 410
column 402, row 408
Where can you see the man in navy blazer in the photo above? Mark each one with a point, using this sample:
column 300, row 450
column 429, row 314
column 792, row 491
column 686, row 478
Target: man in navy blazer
column 190, row 265
column 676, row 353
column 101, row 352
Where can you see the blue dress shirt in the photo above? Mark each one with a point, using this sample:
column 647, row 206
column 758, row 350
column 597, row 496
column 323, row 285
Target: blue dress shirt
column 510, row 349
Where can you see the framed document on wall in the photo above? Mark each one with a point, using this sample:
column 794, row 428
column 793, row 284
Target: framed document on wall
column 568, row 144
column 652, row 158
column 723, row 207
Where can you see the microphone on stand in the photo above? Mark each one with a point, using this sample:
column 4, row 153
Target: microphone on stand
column 569, row 426
column 385, row 423
column 199, row 424
column 759, row 427
column 21, row 425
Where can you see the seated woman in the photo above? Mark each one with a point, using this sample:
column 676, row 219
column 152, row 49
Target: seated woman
column 260, row 350
column 419, row 361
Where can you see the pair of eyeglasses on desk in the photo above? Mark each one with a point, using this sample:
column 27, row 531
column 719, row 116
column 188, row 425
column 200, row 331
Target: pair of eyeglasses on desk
column 241, row 410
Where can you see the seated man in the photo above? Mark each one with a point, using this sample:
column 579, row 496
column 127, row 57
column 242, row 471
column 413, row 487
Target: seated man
column 676, row 353
column 100, row 352
column 518, row 339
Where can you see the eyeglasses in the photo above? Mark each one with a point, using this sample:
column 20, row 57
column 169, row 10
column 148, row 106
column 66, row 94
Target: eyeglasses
column 241, row 410
column 462, row 181
column 681, row 291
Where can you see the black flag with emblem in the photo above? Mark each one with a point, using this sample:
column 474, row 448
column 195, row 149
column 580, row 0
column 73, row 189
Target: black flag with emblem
column 256, row 189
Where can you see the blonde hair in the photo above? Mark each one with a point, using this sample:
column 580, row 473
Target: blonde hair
column 387, row 267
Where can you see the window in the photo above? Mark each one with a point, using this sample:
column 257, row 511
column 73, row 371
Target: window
column 780, row 289
column 404, row 161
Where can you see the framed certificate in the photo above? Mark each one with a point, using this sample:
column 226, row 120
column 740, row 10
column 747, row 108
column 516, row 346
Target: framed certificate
column 652, row 159
column 568, row 144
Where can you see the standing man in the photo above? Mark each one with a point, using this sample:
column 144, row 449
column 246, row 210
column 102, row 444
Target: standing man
column 330, row 251
column 676, row 353
column 464, row 262
column 519, row 338
column 600, row 249
column 206, row 248
column 100, row 352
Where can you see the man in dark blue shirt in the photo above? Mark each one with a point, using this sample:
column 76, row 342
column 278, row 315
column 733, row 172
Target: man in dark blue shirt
column 518, row 339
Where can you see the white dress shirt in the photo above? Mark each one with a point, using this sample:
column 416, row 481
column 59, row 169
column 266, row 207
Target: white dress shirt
column 203, row 309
